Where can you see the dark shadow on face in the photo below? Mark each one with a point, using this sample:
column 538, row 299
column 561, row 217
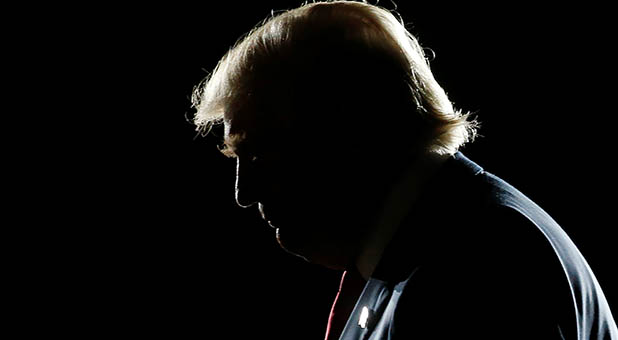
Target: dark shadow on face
column 316, row 142
column 320, row 188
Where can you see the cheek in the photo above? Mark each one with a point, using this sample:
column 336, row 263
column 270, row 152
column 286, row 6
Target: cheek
column 318, row 191
column 312, row 190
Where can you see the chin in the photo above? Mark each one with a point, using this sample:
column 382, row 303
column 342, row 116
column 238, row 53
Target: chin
column 313, row 252
column 289, row 247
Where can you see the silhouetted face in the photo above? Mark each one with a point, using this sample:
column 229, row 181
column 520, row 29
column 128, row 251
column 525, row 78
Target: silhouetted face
column 309, row 180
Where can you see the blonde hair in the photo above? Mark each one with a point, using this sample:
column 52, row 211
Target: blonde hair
column 290, row 40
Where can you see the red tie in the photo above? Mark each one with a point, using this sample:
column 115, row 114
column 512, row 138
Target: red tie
column 350, row 289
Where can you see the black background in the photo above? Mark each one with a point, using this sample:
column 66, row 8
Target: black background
column 140, row 232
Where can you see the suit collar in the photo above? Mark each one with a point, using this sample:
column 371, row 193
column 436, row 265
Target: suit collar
column 403, row 195
column 420, row 233
column 413, row 245
column 465, row 164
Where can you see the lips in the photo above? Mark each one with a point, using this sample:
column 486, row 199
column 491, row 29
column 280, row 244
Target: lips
column 261, row 209
column 266, row 218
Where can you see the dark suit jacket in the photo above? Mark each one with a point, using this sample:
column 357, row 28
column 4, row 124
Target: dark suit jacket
column 476, row 259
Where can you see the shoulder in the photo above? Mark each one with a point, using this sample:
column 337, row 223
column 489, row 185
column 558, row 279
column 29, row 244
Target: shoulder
column 493, row 267
column 502, row 276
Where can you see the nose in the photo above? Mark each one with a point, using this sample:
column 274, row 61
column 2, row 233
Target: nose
column 246, row 190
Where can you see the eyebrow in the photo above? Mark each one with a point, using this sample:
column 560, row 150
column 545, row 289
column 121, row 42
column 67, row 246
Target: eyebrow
column 230, row 142
column 228, row 150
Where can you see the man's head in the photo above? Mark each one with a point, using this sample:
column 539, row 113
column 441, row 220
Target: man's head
column 323, row 106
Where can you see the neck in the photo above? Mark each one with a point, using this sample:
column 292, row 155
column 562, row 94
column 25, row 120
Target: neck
column 402, row 196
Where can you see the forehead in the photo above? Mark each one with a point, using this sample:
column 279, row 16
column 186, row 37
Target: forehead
column 258, row 125
column 273, row 108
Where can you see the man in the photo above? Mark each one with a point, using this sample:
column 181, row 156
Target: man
column 349, row 148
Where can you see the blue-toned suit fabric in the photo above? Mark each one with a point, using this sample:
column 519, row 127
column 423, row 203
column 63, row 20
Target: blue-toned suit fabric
column 477, row 259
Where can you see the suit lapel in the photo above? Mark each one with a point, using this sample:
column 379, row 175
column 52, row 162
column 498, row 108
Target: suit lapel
column 371, row 299
column 373, row 313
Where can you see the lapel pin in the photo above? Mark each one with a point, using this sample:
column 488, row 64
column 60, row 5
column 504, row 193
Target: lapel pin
column 363, row 320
